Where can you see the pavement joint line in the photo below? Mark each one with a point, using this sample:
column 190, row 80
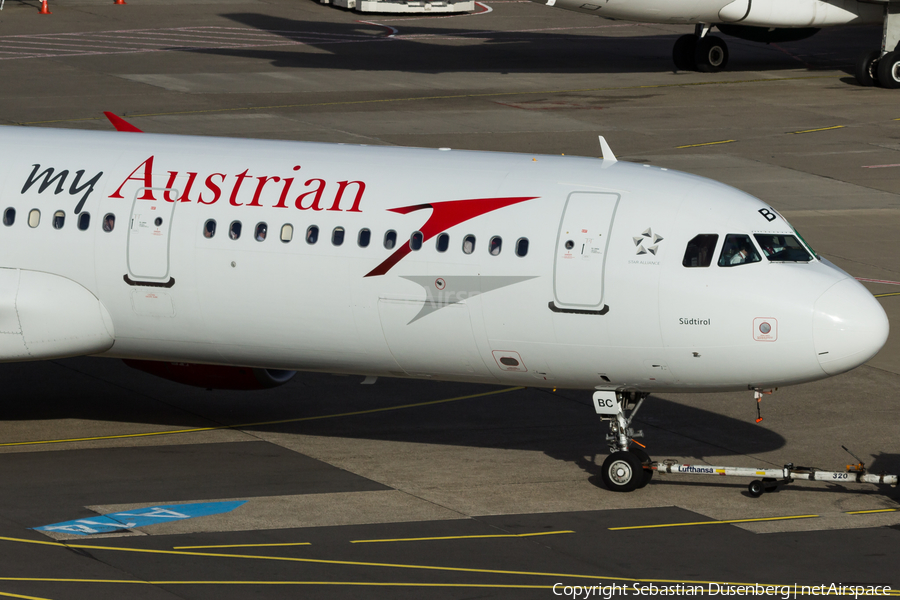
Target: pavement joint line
column 444, row 97
column 704, row 144
column 820, row 129
column 714, row 522
column 262, row 423
column 241, row 546
column 462, row 537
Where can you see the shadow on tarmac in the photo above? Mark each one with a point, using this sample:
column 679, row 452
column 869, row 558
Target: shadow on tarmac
column 421, row 48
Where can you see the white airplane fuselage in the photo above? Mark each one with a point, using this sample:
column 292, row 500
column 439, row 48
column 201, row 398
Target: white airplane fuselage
column 600, row 299
column 756, row 13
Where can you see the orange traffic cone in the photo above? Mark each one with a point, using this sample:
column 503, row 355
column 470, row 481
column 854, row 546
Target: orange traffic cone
column 44, row 9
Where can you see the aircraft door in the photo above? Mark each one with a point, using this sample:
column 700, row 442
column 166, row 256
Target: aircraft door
column 581, row 247
column 149, row 230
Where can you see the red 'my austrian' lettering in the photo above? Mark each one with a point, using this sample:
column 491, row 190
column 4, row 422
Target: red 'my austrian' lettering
column 316, row 195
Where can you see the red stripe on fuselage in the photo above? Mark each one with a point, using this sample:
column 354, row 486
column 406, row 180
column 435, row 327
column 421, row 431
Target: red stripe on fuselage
column 444, row 215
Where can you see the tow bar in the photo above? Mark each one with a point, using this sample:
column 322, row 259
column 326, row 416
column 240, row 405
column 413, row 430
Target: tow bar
column 772, row 478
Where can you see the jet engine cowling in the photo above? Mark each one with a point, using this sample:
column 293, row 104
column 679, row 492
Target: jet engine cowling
column 798, row 13
column 218, row 377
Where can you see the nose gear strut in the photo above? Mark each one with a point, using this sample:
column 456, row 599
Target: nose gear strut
column 625, row 469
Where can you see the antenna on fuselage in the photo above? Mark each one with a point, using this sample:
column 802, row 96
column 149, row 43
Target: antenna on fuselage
column 606, row 151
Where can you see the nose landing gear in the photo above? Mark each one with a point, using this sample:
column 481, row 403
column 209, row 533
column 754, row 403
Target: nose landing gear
column 626, row 468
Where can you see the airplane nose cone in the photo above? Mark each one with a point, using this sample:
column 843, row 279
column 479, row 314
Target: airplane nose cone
column 849, row 327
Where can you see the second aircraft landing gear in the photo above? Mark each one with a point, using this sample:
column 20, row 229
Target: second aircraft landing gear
column 626, row 468
column 882, row 67
column 700, row 52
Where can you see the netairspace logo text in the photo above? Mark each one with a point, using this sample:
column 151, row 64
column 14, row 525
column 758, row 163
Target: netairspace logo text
column 606, row 592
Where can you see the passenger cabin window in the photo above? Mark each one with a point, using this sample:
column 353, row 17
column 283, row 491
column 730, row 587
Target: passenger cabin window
column 234, row 232
column 468, row 244
column 287, row 232
column 261, row 230
column 700, row 250
column 364, row 237
column 209, row 229
column 738, row 249
column 84, row 221
column 312, row 234
column 522, row 247
column 337, row 236
column 415, row 240
column 443, row 242
column 494, row 245
column 109, row 222
column 59, row 219
column 390, row 239
column 34, row 218
column 782, row 248
column 9, row 216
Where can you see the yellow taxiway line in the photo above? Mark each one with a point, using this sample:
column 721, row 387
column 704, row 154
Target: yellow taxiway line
column 264, row 423
column 629, row 580
column 815, row 130
column 241, row 546
column 461, row 537
column 704, row 144
column 713, row 522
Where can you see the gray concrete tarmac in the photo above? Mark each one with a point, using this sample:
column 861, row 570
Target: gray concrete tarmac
column 474, row 490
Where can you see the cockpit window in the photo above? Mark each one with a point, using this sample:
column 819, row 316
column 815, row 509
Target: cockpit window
column 700, row 250
column 782, row 248
column 738, row 249
column 804, row 242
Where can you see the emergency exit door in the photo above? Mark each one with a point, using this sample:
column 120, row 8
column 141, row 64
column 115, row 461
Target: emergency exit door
column 581, row 247
column 148, row 233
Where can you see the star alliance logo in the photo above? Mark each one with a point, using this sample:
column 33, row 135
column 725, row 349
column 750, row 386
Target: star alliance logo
column 647, row 237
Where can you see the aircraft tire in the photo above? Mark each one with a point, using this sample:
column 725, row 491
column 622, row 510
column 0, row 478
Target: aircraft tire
column 683, row 52
column 622, row 472
column 866, row 69
column 711, row 54
column 889, row 70
column 645, row 460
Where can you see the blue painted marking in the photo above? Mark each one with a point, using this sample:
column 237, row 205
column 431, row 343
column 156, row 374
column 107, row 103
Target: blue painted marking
column 141, row 517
